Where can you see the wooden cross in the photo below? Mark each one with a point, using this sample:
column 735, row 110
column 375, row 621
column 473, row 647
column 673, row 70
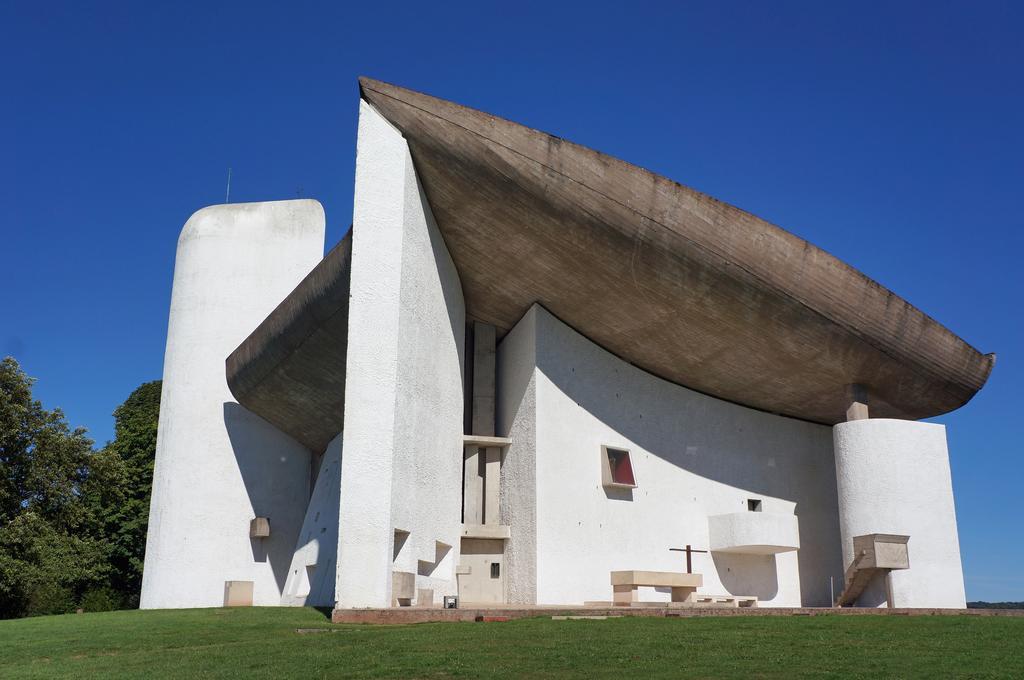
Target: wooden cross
column 688, row 550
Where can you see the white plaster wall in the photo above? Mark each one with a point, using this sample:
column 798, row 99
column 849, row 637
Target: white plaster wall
column 312, row 573
column 516, row 418
column 426, row 489
column 893, row 477
column 693, row 456
column 217, row 464
column 404, row 387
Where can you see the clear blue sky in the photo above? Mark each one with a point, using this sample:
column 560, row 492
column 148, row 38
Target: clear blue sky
column 892, row 135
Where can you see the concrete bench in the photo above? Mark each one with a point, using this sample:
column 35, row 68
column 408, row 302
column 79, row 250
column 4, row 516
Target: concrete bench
column 625, row 584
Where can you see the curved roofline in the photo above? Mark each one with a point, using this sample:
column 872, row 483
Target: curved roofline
column 680, row 284
column 872, row 313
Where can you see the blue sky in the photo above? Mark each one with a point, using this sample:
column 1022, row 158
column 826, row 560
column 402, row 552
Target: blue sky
column 890, row 134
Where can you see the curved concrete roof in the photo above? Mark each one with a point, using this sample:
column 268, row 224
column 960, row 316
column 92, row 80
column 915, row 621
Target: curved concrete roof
column 291, row 369
column 678, row 283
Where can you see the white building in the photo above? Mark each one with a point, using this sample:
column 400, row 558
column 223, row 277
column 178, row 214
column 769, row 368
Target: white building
column 530, row 365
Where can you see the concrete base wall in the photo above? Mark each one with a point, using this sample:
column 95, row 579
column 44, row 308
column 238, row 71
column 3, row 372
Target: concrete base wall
column 893, row 477
column 561, row 397
column 217, row 464
column 402, row 468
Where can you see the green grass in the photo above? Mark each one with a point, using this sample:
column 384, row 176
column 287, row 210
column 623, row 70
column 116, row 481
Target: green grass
column 251, row 643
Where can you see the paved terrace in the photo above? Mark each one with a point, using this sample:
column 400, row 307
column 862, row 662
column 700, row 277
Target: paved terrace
column 407, row 615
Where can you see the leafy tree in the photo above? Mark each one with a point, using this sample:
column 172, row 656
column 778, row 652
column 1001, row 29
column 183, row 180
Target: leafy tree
column 118, row 488
column 42, row 461
column 45, row 571
column 72, row 520
column 46, row 561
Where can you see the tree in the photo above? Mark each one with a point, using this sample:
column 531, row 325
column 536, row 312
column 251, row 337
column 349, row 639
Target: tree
column 42, row 461
column 119, row 486
column 46, row 571
column 47, row 559
column 72, row 520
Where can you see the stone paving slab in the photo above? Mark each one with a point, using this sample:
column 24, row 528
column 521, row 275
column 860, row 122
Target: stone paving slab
column 409, row 615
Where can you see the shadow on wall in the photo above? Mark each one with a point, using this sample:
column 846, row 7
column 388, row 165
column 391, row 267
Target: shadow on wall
column 424, row 568
column 717, row 440
column 761, row 453
column 259, row 551
column 311, row 580
column 453, row 299
column 748, row 574
column 275, row 471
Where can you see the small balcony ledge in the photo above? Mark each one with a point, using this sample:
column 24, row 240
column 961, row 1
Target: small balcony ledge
column 753, row 533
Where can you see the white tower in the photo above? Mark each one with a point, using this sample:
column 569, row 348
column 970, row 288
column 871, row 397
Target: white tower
column 217, row 465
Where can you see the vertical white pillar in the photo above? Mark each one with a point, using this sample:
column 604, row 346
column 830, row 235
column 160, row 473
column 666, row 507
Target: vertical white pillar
column 404, row 384
column 366, row 532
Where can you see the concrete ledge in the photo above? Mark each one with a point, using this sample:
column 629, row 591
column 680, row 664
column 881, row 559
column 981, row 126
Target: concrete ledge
column 498, row 531
column 481, row 440
column 436, row 615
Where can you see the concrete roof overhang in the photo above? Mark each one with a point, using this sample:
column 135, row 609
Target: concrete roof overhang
column 291, row 369
column 669, row 279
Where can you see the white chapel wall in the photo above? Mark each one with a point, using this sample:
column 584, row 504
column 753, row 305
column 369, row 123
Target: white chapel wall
column 404, row 387
column 693, row 456
column 516, row 411
column 217, row 464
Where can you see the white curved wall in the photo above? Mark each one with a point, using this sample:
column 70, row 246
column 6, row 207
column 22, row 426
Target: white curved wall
column 561, row 397
column 893, row 477
column 217, row 464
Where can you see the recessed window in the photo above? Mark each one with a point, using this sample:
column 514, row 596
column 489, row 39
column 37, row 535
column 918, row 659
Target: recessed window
column 617, row 468
column 495, row 569
column 754, row 504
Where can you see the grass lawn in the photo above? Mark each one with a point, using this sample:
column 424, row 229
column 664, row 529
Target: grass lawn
column 248, row 643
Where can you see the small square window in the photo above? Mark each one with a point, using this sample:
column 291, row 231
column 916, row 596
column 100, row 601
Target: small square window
column 495, row 569
column 754, row 504
column 617, row 468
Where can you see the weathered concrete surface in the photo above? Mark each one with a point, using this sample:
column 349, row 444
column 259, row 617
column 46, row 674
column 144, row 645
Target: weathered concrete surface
column 682, row 285
column 291, row 369
column 483, row 379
